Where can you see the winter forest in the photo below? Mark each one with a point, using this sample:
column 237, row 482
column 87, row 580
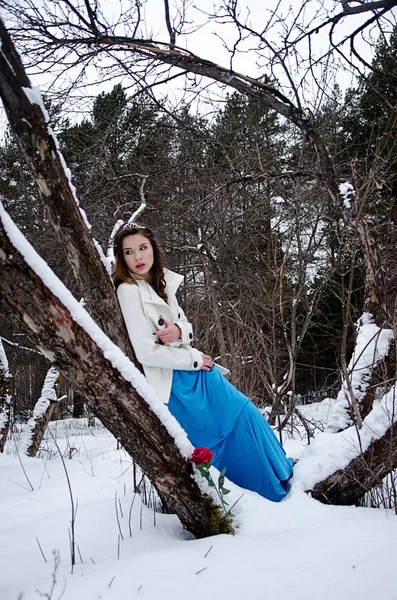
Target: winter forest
column 259, row 143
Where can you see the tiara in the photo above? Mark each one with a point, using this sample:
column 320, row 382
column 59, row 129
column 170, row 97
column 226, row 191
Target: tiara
column 132, row 224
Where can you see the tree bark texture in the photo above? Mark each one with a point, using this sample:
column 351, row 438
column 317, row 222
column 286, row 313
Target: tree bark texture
column 39, row 429
column 384, row 371
column 6, row 385
column 38, row 147
column 347, row 486
column 78, row 405
column 42, row 413
column 113, row 399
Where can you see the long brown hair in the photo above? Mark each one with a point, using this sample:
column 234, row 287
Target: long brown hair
column 121, row 272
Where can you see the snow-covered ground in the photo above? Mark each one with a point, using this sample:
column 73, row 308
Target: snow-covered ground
column 297, row 549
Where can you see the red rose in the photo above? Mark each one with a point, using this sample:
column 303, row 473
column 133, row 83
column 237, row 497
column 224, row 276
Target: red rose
column 201, row 455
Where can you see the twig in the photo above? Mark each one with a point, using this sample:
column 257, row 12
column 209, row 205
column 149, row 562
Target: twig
column 130, row 514
column 233, row 505
column 23, row 468
column 41, row 549
column 74, row 512
column 117, row 515
column 121, row 509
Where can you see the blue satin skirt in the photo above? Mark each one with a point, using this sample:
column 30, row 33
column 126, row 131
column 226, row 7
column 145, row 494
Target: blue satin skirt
column 216, row 415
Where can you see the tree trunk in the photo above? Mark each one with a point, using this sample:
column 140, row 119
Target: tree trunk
column 35, row 428
column 39, row 148
column 107, row 392
column 6, row 384
column 78, row 405
column 347, row 486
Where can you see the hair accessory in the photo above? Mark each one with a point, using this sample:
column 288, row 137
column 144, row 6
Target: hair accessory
column 132, row 224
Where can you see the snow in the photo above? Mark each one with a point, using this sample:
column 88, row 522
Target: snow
column 48, row 395
column 372, row 345
column 5, row 371
column 16, row 345
column 34, row 97
column 104, row 260
column 346, row 190
column 110, row 251
column 297, row 549
column 332, row 451
column 140, row 210
column 4, row 374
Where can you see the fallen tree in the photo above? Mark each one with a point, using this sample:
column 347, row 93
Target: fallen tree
column 347, row 486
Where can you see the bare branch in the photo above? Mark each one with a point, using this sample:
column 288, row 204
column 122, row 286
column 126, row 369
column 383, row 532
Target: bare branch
column 169, row 26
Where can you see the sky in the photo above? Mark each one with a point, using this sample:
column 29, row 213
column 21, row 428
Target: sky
column 208, row 39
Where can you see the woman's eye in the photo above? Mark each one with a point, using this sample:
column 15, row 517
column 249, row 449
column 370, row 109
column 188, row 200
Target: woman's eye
column 143, row 247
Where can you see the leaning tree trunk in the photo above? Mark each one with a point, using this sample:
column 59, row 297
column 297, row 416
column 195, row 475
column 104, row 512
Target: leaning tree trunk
column 40, row 150
column 112, row 399
column 108, row 392
column 34, row 430
column 347, row 486
column 6, row 384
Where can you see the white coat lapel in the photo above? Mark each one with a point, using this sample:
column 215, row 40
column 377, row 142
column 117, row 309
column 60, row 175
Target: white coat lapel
column 173, row 281
column 149, row 296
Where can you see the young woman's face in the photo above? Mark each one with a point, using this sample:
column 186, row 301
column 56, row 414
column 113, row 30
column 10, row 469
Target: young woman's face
column 138, row 255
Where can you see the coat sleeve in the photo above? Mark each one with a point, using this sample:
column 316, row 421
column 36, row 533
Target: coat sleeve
column 147, row 349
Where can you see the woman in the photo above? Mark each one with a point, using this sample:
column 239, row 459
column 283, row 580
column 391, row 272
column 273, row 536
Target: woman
column 211, row 411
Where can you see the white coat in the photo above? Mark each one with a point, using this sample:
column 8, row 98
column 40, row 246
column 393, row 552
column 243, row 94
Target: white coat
column 141, row 308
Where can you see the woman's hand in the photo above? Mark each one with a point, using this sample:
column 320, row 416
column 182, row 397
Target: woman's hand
column 170, row 334
column 207, row 363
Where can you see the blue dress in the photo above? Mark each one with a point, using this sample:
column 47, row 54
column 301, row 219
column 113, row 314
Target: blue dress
column 216, row 415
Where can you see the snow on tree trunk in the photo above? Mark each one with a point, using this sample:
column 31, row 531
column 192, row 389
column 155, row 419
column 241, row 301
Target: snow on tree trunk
column 5, row 397
column 371, row 348
column 114, row 389
column 339, row 468
column 373, row 340
column 29, row 121
column 34, row 430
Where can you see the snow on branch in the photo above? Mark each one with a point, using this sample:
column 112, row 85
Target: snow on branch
column 5, row 369
column 19, row 346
